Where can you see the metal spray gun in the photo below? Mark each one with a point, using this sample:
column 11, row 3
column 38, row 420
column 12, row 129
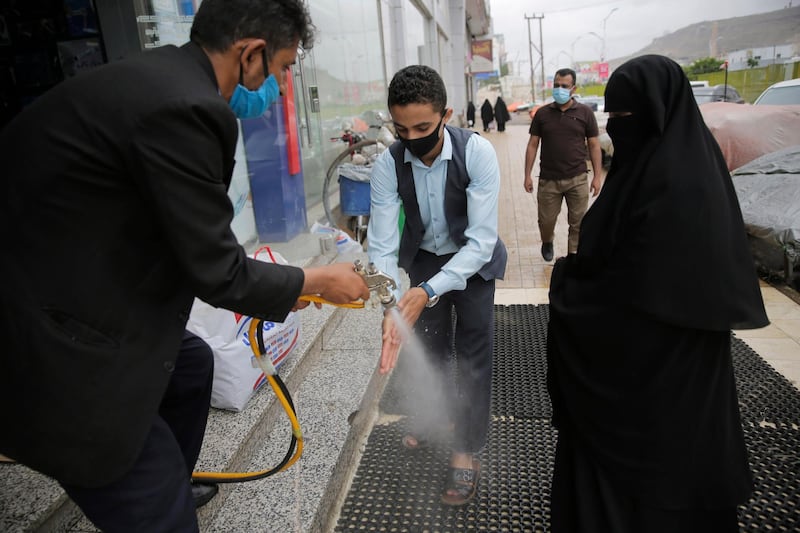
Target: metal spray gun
column 377, row 281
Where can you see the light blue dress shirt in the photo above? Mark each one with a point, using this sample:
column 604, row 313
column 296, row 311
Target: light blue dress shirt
column 384, row 235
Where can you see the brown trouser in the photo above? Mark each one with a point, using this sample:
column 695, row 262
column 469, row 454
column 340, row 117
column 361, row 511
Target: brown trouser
column 576, row 192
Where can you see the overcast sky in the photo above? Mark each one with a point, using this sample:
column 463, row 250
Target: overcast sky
column 629, row 25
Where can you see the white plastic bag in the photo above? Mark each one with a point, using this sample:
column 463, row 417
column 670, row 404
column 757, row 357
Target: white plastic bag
column 236, row 374
column 344, row 244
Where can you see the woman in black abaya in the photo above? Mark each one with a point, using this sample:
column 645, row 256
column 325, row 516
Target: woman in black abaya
column 487, row 114
column 639, row 359
column 470, row 114
column 501, row 114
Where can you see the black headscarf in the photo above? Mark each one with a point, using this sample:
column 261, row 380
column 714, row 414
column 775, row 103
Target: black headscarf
column 487, row 114
column 501, row 110
column 666, row 234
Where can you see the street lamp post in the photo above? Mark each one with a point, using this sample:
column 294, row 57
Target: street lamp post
column 564, row 52
column 593, row 34
column 603, row 53
column 572, row 50
column 602, row 42
column 725, row 87
column 530, row 53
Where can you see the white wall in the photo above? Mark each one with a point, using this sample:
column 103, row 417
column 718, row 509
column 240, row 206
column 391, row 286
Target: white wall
column 445, row 48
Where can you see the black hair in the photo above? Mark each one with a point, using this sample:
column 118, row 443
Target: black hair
column 418, row 84
column 567, row 72
column 220, row 23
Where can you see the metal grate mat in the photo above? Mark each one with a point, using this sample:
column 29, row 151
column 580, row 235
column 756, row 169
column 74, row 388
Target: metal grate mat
column 395, row 490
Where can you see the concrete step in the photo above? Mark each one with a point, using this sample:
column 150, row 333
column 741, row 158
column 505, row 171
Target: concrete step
column 327, row 375
column 307, row 496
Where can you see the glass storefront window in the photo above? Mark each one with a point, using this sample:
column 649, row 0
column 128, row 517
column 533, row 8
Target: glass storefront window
column 340, row 84
column 164, row 22
column 348, row 57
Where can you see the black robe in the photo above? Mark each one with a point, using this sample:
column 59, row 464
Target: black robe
column 487, row 115
column 501, row 115
column 639, row 365
column 470, row 114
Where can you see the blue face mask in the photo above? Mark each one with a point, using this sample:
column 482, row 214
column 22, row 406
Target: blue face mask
column 561, row 96
column 251, row 104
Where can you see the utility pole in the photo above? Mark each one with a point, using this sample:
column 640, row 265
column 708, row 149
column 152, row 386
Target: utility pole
column 531, row 47
column 530, row 56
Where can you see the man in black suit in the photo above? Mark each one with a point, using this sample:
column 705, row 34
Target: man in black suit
column 114, row 215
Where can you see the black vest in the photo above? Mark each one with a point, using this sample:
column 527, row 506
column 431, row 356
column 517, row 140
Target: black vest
column 455, row 205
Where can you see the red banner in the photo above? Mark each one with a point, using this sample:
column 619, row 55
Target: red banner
column 602, row 70
column 290, row 120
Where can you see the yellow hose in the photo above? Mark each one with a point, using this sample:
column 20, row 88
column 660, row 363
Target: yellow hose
column 318, row 299
column 231, row 477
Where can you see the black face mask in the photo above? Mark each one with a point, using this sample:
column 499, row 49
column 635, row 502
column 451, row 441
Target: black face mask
column 422, row 146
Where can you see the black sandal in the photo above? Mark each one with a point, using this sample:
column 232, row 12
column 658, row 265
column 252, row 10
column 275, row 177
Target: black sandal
column 426, row 438
column 462, row 484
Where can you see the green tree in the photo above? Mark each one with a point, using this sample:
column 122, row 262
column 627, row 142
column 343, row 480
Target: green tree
column 703, row 66
column 752, row 62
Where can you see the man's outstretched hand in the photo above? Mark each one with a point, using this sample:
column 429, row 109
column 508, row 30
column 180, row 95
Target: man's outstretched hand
column 338, row 283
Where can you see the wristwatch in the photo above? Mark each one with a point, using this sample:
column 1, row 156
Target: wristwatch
column 433, row 298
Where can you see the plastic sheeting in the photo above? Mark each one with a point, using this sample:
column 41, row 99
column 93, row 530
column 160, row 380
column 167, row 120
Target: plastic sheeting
column 768, row 189
column 745, row 132
column 355, row 172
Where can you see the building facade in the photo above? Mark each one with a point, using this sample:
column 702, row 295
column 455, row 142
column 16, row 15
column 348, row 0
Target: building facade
column 762, row 56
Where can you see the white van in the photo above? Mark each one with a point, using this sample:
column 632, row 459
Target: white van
column 781, row 93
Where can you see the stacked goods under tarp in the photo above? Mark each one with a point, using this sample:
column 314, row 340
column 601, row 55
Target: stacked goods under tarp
column 745, row 132
column 768, row 189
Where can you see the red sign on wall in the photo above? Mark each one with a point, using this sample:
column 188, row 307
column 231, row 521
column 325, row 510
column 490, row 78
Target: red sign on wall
column 602, row 70
column 482, row 56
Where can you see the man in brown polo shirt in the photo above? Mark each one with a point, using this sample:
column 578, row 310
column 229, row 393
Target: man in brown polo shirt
column 565, row 128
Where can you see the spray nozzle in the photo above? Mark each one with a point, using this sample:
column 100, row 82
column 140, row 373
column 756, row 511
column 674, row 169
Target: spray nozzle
column 378, row 282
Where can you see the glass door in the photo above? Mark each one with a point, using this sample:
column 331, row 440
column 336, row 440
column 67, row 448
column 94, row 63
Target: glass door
column 163, row 22
column 309, row 127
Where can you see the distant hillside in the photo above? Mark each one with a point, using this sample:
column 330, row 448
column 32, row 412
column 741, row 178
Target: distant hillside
column 692, row 42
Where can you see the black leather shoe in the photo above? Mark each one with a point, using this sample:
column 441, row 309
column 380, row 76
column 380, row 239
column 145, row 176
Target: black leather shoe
column 547, row 251
column 203, row 492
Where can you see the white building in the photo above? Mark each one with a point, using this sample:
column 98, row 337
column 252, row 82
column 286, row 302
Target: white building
column 764, row 56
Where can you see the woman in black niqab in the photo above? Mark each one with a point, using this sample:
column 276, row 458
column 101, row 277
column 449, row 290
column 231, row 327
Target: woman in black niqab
column 487, row 114
column 501, row 114
column 639, row 361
